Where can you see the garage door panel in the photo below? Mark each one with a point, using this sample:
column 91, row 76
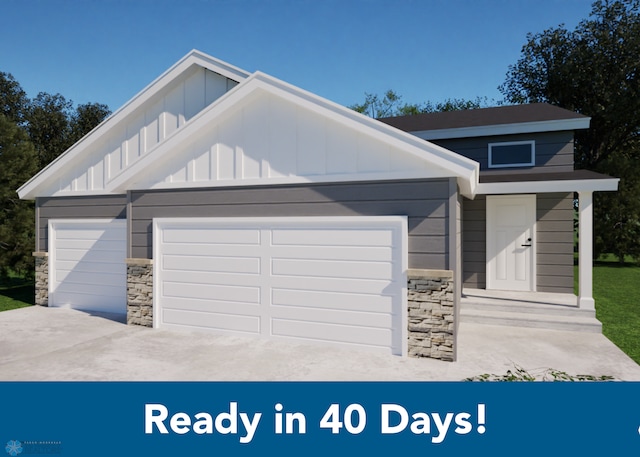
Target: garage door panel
column 332, row 269
column 115, row 267
column 211, row 306
column 353, row 237
column 358, row 286
column 212, row 321
column 87, row 289
column 89, row 278
column 340, row 280
column 211, row 236
column 332, row 300
column 83, row 231
column 199, row 249
column 205, row 291
column 98, row 301
column 321, row 332
column 373, row 254
column 99, row 256
column 188, row 278
column 87, row 264
column 86, row 245
column 214, row 264
column 333, row 316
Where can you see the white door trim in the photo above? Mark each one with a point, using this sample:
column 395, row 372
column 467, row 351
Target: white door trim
column 528, row 201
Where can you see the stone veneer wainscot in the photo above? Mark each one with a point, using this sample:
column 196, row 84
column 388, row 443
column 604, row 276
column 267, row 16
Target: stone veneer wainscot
column 430, row 299
column 140, row 292
column 42, row 278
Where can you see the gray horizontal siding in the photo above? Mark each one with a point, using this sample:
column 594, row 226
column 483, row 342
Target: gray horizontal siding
column 425, row 202
column 554, row 150
column 554, row 236
column 86, row 207
column 474, row 242
column 554, row 231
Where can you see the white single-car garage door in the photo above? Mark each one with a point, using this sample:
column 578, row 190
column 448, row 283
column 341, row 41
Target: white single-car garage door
column 87, row 267
column 337, row 280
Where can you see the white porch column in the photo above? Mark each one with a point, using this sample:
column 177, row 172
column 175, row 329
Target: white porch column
column 585, row 260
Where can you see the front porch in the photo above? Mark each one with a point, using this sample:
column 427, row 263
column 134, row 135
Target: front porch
column 527, row 309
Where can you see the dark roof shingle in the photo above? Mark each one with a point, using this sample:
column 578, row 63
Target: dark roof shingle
column 500, row 115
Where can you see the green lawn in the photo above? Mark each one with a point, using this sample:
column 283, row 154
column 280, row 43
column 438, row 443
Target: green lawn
column 16, row 293
column 616, row 290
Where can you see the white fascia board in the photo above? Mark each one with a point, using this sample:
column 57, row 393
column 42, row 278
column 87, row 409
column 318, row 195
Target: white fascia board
column 27, row 190
column 455, row 165
column 505, row 129
column 523, row 187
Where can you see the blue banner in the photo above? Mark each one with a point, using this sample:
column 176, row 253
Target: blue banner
column 313, row 418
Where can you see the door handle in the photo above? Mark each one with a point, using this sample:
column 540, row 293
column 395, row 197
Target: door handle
column 527, row 245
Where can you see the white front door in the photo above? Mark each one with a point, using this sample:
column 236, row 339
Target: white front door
column 511, row 241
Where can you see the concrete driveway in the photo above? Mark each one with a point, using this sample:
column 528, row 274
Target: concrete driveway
column 62, row 344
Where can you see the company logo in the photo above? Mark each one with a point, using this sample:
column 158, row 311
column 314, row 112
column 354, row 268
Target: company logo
column 13, row 448
column 26, row 447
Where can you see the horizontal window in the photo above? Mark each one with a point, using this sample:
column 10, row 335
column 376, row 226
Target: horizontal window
column 512, row 154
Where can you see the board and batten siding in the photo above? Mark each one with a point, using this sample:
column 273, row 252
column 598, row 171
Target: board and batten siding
column 554, row 235
column 425, row 202
column 141, row 131
column 265, row 138
column 85, row 207
column 553, row 151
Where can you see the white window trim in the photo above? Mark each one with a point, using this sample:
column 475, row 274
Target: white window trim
column 531, row 163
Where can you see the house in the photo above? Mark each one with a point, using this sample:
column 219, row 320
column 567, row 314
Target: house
column 220, row 200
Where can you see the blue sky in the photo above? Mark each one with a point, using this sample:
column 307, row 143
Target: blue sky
column 108, row 50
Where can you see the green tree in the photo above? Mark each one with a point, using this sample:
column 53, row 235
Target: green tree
column 13, row 99
column 18, row 163
column 48, row 124
column 594, row 70
column 54, row 125
column 376, row 106
column 390, row 104
column 85, row 118
column 617, row 214
column 32, row 134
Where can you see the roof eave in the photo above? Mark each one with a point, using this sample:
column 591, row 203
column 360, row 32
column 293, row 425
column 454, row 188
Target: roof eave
column 569, row 185
column 580, row 123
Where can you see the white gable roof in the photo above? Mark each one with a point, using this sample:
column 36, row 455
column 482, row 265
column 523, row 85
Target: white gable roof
column 260, row 131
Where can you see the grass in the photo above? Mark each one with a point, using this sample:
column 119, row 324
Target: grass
column 16, row 292
column 616, row 290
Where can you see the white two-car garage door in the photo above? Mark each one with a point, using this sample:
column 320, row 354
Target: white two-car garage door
column 87, row 267
column 338, row 280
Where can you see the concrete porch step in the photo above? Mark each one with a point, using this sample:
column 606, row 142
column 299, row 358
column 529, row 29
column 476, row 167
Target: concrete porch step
column 550, row 311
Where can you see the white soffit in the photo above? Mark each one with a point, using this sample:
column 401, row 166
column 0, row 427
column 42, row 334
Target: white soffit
column 574, row 185
column 74, row 156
